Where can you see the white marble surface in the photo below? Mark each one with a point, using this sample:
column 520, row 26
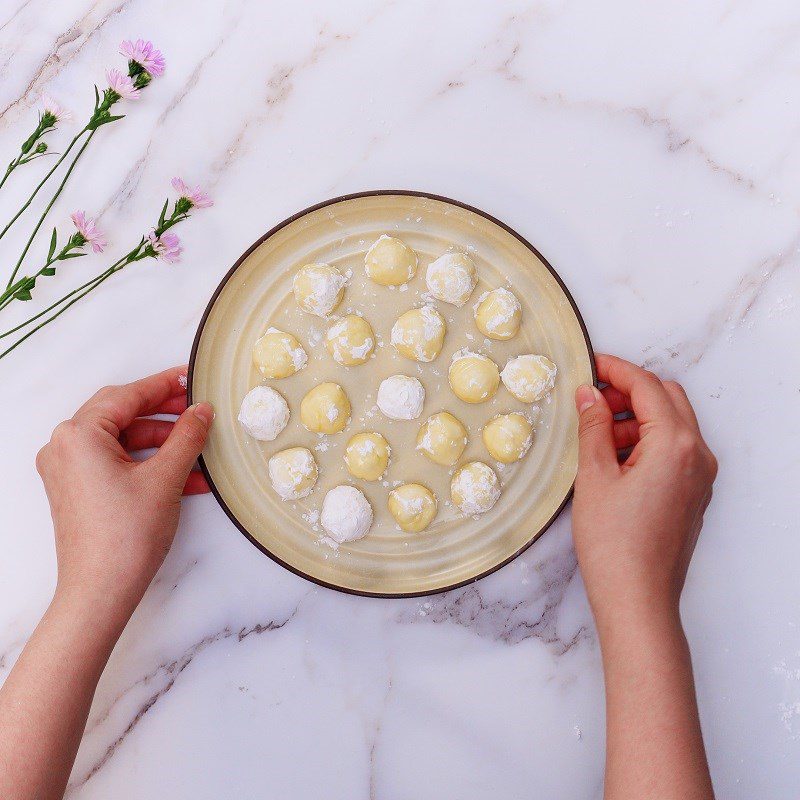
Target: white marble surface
column 651, row 152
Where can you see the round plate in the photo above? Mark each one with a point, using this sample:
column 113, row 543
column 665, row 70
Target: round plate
column 256, row 293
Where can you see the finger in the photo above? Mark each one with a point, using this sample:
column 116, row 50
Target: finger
column 196, row 484
column 142, row 434
column 596, row 449
column 176, row 457
column 626, row 433
column 681, row 403
column 649, row 399
column 175, row 405
column 117, row 406
column 617, row 401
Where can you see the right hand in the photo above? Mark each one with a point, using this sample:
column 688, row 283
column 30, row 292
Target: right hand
column 636, row 523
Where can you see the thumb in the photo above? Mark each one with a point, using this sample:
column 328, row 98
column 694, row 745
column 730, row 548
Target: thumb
column 175, row 458
column 595, row 430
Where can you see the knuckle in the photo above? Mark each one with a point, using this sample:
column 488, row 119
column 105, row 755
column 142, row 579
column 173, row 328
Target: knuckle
column 591, row 419
column 64, row 433
column 42, row 458
column 674, row 386
column 195, row 435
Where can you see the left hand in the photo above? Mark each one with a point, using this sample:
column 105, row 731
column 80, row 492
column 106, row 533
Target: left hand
column 114, row 517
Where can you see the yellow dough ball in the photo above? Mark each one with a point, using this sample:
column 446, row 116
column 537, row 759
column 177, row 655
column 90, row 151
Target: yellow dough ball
column 475, row 488
column 350, row 340
column 318, row 288
column 442, row 439
column 508, row 437
column 413, row 506
column 390, row 262
column 473, row 377
column 367, row 456
column 451, row 278
column 293, row 473
column 529, row 377
column 325, row 409
column 498, row 314
column 278, row 354
column 419, row 334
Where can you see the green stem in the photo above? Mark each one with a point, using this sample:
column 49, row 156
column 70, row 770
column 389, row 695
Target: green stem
column 9, row 169
column 41, row 183
column 103, row 276
column 49, row 206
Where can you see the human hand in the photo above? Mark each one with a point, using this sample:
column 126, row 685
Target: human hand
column 115, row 518
column 636, row 523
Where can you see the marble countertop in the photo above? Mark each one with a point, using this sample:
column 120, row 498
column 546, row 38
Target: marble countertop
column 651, row 152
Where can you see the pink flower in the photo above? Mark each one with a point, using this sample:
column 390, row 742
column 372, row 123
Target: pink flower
column 142, row 52
column 197, row 196
column 87, row 227
column 167, row 246
column 50, row 106
column 122, row 84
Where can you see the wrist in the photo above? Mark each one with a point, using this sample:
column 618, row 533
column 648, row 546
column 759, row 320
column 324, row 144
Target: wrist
column 101, row 617
column 642, row 613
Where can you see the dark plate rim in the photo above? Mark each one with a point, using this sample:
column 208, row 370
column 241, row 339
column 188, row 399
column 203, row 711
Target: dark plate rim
column 218, row 291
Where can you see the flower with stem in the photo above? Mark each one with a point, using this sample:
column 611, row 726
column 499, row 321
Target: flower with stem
column 158, row 243
column 86, row 233
column 120, row 87
column 50, row 115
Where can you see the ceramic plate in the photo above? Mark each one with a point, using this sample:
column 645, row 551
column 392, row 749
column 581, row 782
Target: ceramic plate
column 256, row 294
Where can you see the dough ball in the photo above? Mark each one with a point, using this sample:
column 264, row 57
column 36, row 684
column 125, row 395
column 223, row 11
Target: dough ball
column 278, row 354
column 508, row 437
column 390, row 262
column 442, row 439
column 473, row 377
column 419, row 334
column 318, row 288
column 498, row 314
column 475, row 488
column 325, row 409
column 346, row 514
column 263, row 413
column 451, row 278
column 367, row 456
column 529, row 377
column 413, row 506
column 293, row 473
column 350, row 341
column 401, row 397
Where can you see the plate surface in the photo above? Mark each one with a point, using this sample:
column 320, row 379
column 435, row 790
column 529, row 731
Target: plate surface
column 256, row 294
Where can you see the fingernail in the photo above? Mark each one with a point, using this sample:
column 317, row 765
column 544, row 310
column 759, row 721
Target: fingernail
column 585, row 397
column 203, row 411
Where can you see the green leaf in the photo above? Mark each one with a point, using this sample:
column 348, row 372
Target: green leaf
column 162, row 214
column 23, row 294
column 49, row 271
column 72, row 255
column 52, row 245
column 96, row 97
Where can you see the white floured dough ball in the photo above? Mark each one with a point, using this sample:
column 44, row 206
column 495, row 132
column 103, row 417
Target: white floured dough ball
column 278, row 354
column 318, row 288
column 508, row 437
column 413, row 506
column 350, row 340
column 442, row 438
column 390, row 262
column 498, row 314
column 529, row 377
column 419, row 334
column 451, row 278
column 264, row 413
column 325, row 409
column 346, row 514
column 473, row 377
column 367, row 456
column 475, row 488
column 293, row 473
column 401, row 397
